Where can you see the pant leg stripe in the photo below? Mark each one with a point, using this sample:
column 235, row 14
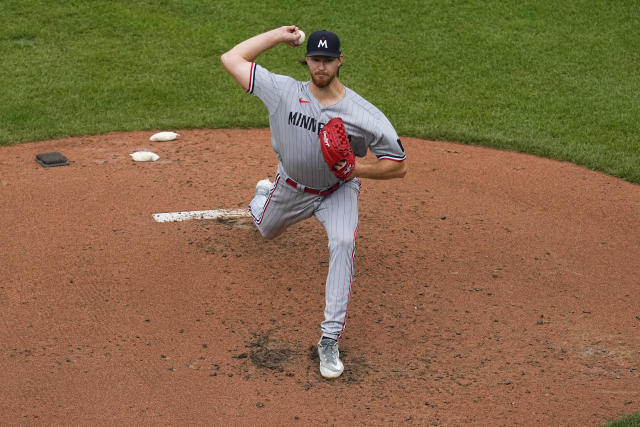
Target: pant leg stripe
column 258, row 221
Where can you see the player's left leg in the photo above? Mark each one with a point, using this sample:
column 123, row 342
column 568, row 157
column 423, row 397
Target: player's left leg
column 338, row 213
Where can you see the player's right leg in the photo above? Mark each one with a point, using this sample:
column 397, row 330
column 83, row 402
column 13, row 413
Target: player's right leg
column 274, row 210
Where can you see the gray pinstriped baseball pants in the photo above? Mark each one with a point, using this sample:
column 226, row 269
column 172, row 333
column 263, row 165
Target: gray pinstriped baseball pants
column 338, row 213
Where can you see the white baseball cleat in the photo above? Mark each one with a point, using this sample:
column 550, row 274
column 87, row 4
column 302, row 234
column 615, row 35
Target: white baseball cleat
column 263, row 187
column 330, row 364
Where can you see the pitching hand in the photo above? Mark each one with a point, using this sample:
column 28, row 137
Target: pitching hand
column 290, row 35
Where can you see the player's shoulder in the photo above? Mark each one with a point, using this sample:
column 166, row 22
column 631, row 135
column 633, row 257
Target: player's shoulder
column 360, row 102
column 367, row 112
column 279, row 77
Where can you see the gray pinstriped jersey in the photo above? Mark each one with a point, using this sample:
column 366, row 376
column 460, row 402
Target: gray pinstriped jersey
column 296, row 117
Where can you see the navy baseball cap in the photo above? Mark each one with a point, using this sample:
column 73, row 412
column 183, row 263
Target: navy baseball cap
column 323, row 43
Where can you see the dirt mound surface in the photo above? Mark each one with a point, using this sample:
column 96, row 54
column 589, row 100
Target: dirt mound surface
column 491, row 288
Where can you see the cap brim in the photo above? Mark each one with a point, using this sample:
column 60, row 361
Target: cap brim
column 323, row 53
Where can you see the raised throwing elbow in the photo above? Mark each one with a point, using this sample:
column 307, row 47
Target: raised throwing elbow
column 224, row 59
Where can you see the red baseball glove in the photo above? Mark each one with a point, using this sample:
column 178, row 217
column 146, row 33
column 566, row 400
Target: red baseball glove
column 336, row 148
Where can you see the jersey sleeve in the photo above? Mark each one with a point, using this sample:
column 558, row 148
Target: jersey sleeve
column 387, row 144
column 266, row 86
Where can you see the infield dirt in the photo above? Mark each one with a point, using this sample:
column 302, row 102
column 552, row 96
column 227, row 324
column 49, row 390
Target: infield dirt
column 491, row 288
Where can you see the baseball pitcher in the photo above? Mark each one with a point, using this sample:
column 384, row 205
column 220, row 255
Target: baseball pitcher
column 320, row 130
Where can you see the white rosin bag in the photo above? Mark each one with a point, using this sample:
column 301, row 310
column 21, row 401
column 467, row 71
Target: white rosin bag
column 164, row 136
column 144, row 156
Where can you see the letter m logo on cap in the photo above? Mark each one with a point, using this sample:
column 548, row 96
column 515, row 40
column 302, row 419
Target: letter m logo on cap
column 323, row 43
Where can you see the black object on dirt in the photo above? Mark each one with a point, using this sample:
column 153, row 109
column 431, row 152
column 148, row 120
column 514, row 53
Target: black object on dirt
column 52, row 159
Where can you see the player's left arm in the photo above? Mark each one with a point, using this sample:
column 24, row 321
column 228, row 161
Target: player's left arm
column 390, row 161
column 379, row 169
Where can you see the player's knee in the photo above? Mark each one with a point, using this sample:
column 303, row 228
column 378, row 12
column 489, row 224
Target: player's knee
column 267, row 233
column 344, row 243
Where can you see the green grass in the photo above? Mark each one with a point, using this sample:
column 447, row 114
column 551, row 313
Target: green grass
column 556, row 79
column 630, row 421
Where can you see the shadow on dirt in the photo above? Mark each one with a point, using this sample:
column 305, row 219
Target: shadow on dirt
column 269, row 353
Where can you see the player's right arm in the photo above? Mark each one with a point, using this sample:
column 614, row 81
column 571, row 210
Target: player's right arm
column 238, row 60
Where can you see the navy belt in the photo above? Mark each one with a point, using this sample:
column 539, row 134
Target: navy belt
column 322, row 193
